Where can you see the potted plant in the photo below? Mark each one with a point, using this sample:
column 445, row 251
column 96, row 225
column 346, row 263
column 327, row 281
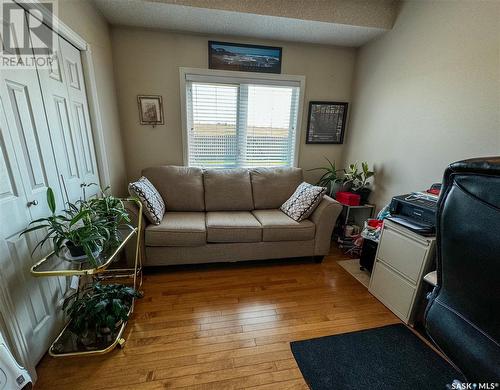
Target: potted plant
column 81, row 230
column 359, row 179
column 331, row 179
column 97, row 312
column 112, row 211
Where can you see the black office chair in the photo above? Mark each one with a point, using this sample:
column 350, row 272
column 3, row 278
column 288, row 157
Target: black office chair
column 463, row 313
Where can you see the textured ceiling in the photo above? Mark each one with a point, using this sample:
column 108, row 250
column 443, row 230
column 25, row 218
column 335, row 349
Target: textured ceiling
column 366, row 13
column 176, row 17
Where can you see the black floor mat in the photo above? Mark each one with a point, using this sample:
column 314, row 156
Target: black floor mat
column 390, row 357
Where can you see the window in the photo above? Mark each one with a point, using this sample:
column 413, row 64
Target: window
column 240, row 122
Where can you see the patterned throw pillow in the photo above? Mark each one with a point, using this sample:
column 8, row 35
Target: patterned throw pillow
column 303, row 202
column 152, row 202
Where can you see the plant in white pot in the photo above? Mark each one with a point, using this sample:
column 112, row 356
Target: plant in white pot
column 332, row 179
column 79, row 229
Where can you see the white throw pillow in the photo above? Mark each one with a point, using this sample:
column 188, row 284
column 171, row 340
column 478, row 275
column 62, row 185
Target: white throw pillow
column 303, row 202
column 153, row 205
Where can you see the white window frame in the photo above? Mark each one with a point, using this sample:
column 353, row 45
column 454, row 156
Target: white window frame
column 211, row 75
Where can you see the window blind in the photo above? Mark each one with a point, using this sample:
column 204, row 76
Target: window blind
column 241, row 124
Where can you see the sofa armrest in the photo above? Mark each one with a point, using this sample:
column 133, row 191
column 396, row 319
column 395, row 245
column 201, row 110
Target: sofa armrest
column 324, row 217
column 135, row 217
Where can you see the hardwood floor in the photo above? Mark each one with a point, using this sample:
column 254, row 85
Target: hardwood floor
column 225, row 327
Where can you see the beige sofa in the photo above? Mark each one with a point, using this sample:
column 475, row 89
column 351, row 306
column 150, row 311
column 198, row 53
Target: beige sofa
column 231, row 215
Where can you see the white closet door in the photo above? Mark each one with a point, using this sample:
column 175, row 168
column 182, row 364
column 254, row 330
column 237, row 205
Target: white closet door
column 24, row 108
column 73, row 72
column 66, row 141
column 41, row 138
column 14, row 216
column 29, row 170
column 34, row 301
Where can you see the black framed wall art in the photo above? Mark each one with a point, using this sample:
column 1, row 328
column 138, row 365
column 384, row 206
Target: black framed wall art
column 150, row 109
column 243, row 57
column 326, row 122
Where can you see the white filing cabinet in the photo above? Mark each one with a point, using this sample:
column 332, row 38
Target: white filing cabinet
column 403, row 258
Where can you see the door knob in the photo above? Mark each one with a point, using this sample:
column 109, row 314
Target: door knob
column 33, row 203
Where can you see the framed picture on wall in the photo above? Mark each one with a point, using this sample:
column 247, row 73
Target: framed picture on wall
column 326, row 122
column 245, row 58
column 150, row 109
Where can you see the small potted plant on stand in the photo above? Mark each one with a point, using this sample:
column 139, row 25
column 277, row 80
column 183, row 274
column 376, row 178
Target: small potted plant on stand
column 98, row 312
column 78, row 233
column 331, row 179
column 359, row 180
column 112, row 211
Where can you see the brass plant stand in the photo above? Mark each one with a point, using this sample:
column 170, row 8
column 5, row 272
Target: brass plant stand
column 112, row 263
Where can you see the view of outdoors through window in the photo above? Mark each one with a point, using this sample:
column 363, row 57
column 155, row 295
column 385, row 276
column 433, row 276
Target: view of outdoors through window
column 241, row 125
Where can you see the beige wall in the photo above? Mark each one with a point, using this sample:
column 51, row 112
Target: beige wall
column 147, row 62
column 84, row 19
column 427, row 93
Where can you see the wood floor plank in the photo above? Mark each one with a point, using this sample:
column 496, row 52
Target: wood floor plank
column 224, row 327
column 286, row 364
column 275, row 378
column 294, row 384
column 262, row 358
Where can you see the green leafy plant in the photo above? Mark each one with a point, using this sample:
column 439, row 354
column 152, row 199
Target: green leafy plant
column 111, row 210
column 331, row 177
column 79, row 228
column 358, row 178
column 100, row 308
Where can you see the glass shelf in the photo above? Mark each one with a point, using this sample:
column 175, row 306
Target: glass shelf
column 362, row 206
column 58, row 265
column 69, row 344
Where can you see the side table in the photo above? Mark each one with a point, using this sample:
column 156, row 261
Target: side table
column 351, row 215
column 120, row 261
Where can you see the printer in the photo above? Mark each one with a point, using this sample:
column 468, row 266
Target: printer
column 415, row 211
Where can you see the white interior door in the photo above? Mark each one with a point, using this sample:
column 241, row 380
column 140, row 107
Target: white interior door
column 73, row 73
column 13, row 217
column 34, row 303
column 28, row 169
column 67, row 116
column 64, row 139
column 43, row 135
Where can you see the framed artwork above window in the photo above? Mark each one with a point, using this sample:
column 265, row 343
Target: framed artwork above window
column 326, row 122
column 243, row 57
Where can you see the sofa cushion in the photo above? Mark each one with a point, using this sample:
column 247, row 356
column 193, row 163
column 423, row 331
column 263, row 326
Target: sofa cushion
column 277, row 226
column 227, row 189
column 303, row 202
column 233, row 226
column 178, row 228
column 180, row 187
column 153, row 206
column 271, row 187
